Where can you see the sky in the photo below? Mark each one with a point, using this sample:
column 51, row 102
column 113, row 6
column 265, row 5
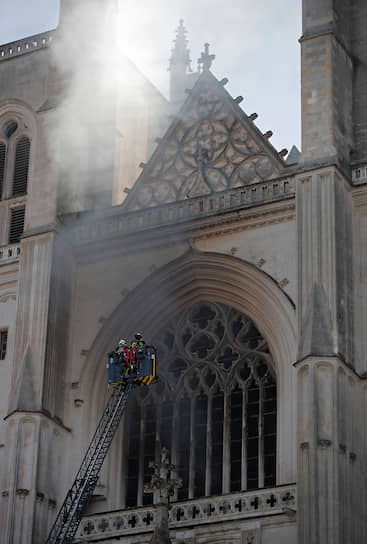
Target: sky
column 255, row 43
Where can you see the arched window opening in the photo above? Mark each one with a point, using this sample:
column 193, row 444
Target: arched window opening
column 214, row 407
column 21, row 166
column 2, row 167
column 16, row 226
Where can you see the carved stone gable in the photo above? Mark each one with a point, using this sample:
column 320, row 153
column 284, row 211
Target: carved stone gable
column 212, row 146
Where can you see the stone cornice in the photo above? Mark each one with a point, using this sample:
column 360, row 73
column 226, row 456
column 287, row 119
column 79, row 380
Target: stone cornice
column 188, row 233
column 197, row 215
column 43, row 229
column 25, row 45
column 43, row 413
column 334, row 358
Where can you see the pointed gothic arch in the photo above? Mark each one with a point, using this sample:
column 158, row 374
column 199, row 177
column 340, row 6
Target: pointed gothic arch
column 219, row 279
column 17, row 132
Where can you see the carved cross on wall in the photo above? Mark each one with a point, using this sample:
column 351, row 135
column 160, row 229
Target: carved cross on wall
column 206, row 60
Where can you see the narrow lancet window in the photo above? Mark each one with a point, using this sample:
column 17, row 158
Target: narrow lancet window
column 16, row 226
column 21, row 166
column 2, row 167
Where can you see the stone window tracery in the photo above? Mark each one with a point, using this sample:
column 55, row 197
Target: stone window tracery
column 214, row 407
column 209, row 150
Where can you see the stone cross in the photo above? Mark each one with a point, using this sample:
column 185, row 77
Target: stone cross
column 206, row 60
column 163, row 479
column 164, row 483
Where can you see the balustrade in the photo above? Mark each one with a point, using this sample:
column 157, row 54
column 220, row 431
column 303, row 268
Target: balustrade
column 189, row 210
column 359, row 174
column 215, row 509
column 9, row 253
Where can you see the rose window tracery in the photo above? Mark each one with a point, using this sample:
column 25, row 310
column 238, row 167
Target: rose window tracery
column 214, row 407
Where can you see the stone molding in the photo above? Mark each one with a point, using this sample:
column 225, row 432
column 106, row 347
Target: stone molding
column 209, row 510
column 219, row 278
column 19, row 414
column 97, row 227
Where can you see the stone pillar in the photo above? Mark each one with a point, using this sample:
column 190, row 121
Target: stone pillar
column 330, row 447
column 327, row 83
column 325, row 264
column 30, row 481
column 331, row 454
column 359, row 51
column 30, row 476
column 161, row 532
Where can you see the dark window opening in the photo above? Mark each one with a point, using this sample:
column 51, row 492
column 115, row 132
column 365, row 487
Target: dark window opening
column 200, row 423
column 3, row 344
column 16, row 225
column 270, row 423
column 166, row 426
column 236, row 439
column 133, row 458
column 149, row 449
column 217, row 444
column 21, row 166
column 2, row 166
column 252, row 446
column 11, row 128
column 184, row 446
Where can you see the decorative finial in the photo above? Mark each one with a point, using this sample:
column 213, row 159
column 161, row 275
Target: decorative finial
column 180, row 53
column 205, row 61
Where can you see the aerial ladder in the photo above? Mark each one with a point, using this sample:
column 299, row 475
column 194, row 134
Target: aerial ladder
column 140, row 371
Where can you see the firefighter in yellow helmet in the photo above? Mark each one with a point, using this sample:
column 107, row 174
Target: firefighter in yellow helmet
column 138, row 343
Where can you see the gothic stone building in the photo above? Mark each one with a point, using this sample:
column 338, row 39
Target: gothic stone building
column 248, row 271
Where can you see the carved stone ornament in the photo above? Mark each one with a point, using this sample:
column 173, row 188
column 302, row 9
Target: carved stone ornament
column 211, row 147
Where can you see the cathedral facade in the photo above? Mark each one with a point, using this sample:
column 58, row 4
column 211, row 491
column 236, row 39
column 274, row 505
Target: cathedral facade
column 124, row 212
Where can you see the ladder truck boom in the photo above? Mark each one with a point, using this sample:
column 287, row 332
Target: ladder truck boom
column 141, row 372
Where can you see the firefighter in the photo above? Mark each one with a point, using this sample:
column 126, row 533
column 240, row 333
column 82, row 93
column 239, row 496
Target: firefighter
column 120, row 354
column 120, row 350
column 139, row 343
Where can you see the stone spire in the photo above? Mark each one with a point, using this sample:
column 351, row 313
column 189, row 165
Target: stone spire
column 179, row 64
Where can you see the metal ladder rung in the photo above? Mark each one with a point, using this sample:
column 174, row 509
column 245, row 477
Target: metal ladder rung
column 70, row 513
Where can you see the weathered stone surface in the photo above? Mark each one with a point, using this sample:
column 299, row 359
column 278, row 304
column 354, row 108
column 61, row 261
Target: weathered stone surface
column 23, row 398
